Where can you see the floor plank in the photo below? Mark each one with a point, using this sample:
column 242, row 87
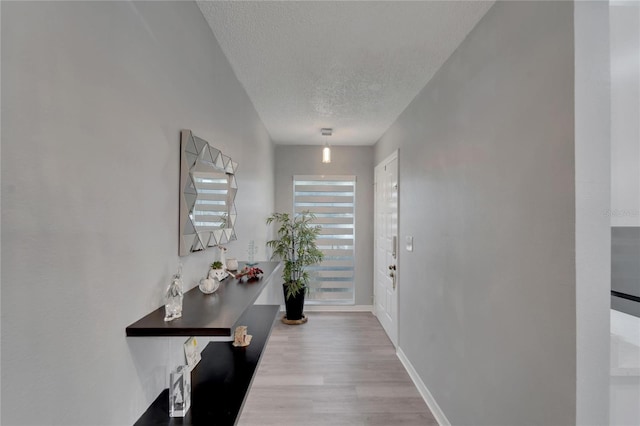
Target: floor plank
column 338, row 369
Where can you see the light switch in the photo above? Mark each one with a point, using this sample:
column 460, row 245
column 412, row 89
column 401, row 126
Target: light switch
column 409, row 240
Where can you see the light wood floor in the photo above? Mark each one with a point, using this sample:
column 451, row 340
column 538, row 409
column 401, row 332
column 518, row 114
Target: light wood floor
column 337, row 369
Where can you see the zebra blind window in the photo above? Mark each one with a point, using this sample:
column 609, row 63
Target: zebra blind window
column 332, row 200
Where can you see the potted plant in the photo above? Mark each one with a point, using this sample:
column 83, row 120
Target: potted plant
column 296, row 246
column 217, row 271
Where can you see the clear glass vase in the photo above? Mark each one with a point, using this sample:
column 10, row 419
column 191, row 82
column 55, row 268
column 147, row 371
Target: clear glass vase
column 179, row 391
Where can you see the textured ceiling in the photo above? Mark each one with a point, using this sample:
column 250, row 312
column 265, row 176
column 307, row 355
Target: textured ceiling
column 352, row 66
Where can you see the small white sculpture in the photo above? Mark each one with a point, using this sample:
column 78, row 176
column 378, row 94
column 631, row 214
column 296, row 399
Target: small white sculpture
column 222, row 255
column 232, row 264
column 218, row 274
column 208, row 285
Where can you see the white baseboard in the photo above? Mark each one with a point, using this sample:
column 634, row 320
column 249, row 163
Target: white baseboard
column 424, row 392
column 338, row 308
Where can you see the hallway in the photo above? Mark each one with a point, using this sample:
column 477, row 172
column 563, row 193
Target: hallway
column 337, row 369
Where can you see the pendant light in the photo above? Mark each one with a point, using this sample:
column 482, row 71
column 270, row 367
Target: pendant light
column 326, row 151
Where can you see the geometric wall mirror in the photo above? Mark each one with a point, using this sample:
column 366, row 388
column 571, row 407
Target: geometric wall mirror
column 207, row 194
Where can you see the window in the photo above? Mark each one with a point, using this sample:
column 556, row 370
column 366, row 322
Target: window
column 332, row 200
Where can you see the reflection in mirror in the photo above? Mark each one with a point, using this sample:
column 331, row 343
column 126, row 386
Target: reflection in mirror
column 208, row 190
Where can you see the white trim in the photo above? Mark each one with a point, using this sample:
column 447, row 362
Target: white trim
column 325, row 177
column 338, row 308
column 424, row 392
column 393, row 156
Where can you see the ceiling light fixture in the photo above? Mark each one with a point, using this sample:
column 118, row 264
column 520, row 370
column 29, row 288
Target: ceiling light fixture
column 326, row 151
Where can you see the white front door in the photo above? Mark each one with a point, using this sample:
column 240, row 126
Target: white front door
column 386, row 246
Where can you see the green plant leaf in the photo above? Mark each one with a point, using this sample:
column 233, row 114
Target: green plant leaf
column 296, row 246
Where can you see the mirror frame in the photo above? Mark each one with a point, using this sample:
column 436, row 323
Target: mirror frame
column 197, row 156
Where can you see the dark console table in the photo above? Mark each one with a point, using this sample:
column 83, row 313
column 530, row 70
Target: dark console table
column 221, row 380
column 208, row 314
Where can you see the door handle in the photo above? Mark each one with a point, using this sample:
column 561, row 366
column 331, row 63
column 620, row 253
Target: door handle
column 392, row 274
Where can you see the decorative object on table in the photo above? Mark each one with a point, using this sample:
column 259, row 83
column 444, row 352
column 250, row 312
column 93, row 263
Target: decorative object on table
column 217, row 271
column 251, row 253
column 206, row 177
column 217, row 274
column 173, row 297
column 223, row 256
column 232, row 264
column 296, row 246
column 191, row 352
column 250, row 273
column 209, row 285
column 179, row 391
column 240, row 337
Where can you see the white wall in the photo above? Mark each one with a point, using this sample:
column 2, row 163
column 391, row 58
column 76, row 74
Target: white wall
column 94, row 95
column 592, row 200
column 624, row 18
column 487, row 298
column 305, row 160
column 625, row 150
column 625, row 113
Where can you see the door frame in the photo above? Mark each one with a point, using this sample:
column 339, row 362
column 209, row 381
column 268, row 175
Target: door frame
column 394, row 155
